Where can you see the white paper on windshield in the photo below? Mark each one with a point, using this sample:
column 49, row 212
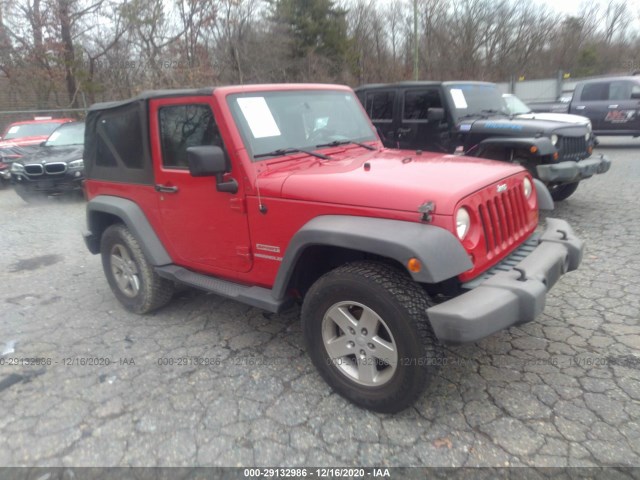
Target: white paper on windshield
column 458, row 98
column 53, row 136
column 13, row 129
column 259, row 117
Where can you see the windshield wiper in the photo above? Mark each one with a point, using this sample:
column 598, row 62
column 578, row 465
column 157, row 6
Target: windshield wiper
column 484, row 113
column 471, row 115
column 286, row 151
column 490, row 111
column 337, row 143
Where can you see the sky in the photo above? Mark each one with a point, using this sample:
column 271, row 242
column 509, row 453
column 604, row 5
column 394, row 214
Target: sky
column 573, row 7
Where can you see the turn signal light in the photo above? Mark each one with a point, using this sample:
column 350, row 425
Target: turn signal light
column 533, row 149
column 555, row 156
column 590, row 150
column 414, row 265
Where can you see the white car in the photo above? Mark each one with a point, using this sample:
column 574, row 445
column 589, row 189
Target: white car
column 517, row 107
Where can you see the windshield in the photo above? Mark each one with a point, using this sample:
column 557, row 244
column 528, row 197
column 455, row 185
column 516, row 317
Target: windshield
column 69, row 134
column 31, row 130
column 303, row 119
column 515, row 105
column 475, row 99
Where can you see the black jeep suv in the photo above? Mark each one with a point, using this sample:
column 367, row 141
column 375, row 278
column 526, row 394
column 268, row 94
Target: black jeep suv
column 54, row 168
column 471, row 118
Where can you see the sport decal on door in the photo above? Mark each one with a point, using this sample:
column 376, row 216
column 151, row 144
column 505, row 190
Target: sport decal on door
column 620, row 116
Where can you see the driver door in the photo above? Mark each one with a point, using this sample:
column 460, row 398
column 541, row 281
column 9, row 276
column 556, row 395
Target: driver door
column 206, row 230
column 415, row 130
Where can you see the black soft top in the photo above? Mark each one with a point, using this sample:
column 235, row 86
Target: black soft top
column 149, row 94
column 418, row 83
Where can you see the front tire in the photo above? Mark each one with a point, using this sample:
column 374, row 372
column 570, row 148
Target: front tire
column 563, row 191
column 367, row 333
column 130, row 275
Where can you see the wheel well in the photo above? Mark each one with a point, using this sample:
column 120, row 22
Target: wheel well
column 100, row 221
column 316, row 260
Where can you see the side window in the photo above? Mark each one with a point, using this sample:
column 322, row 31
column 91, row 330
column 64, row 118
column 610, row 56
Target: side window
column 379, row 106
column 119, row 140
column 418, row 102
column 619, row 91
column 595, row 91
column 184, row 126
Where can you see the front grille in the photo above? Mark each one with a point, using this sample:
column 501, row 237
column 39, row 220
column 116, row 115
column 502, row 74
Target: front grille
column 572, row 148
column 33, row 169
column 504, row 220
column 55, row 168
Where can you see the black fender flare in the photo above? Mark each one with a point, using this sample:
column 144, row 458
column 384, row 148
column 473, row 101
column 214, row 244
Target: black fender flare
column 136, row 221
column 543, row 145
column 545, row 201
column 440, row 252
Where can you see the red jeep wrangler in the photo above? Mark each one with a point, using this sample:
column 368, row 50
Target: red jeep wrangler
column 271, row 193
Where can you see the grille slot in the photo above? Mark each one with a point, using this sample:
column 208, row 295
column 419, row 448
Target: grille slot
column 33, row 169
column 55, row 168
column 503, row 220
column 572, row 147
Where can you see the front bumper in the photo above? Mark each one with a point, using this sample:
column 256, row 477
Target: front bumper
column 570, row 171
column 49, row 183
column 515, row 294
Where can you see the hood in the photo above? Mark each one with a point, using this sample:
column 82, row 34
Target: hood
column 555, row 117
column 518, row 127
column 54, row 154
column 23, row 141
column 391, row 179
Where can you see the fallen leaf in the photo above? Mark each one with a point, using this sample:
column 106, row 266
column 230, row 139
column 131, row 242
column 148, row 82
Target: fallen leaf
column 443, row 442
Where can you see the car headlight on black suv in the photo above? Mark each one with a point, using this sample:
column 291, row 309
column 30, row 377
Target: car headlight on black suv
column 75, row 165
column 17, row 167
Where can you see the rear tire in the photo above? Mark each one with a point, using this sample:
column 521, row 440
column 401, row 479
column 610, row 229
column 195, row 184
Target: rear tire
column 367, row 332
column 564, row 191
column 130, row 275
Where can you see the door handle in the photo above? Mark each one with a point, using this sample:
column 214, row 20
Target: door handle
column 404, row 130
column 613, row 106
column 166, row 188
column 580, row 107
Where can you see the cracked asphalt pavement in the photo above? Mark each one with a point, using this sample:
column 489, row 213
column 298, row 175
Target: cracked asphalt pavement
column 563, row 390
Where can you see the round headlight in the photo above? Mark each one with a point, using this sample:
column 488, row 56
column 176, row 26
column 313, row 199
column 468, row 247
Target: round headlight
column 526, row 185
column 554, row 139
column 463, row 222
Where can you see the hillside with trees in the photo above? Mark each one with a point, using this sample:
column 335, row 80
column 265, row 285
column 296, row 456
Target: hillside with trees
column 71, row 53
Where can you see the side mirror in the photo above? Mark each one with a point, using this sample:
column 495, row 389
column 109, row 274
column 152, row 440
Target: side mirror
column 435, row 114
column 209, row 161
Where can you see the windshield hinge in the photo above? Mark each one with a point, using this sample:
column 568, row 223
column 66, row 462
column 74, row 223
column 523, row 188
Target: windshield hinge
column 426, row 209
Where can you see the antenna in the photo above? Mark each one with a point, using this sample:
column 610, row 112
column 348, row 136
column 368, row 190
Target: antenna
column 261, row 207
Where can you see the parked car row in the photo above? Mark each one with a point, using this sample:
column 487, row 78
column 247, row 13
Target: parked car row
column 270, row 194
column 43, row 157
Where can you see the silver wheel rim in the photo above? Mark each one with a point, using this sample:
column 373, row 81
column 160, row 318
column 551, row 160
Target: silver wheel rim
column 125, row 271
column 359, row 344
